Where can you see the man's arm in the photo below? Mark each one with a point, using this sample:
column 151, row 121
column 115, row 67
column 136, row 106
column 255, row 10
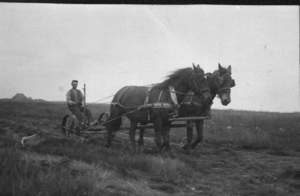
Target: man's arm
column 69, row 101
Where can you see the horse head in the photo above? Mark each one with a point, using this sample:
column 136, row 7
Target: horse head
column 223, row 82
column 198, row 83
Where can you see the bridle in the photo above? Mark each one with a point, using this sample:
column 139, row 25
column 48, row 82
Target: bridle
column 221, row 82
column 199, row 90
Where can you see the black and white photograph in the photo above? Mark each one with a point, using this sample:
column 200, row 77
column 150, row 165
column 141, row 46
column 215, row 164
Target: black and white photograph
column 149, row 99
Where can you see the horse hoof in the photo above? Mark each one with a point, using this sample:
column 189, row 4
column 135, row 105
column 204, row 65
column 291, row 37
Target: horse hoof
column 107, row 145
column 184, row 147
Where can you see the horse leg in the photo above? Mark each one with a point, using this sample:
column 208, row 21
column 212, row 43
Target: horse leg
column 189, row 137
column 199, row 128
column 166, row 136
column 114, row 123
column 109, row 137
column 141, row 137
column 158, row 131
column 132, row 135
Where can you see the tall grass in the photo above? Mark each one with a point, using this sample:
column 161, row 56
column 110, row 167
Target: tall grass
column 23, row 177
column 129, row 166
column 255, row 129
column 85, row 170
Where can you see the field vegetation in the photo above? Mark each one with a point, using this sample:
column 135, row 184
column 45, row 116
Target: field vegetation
column 243, row 153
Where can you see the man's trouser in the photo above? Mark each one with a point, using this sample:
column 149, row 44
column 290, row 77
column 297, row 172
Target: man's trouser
column 78, row 111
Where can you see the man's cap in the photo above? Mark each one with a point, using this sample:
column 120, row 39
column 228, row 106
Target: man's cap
column 74, row 81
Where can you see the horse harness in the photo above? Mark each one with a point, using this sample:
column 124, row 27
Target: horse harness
column 191, row 102
column 157, row 104
column 198, row 89
column 175, row 106
column 219, row 81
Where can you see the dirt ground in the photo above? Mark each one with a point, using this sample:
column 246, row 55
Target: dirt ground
column 220, row 168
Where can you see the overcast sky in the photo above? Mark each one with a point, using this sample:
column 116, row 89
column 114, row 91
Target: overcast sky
column 45, row 46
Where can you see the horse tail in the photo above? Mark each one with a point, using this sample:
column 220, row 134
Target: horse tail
column 116, row 111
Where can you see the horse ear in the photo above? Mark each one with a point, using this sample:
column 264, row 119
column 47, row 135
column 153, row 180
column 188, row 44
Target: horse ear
column 198, row 66
column 194, row 67
column 220, row 67
column 229, row 69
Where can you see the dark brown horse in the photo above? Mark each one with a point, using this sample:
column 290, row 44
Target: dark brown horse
column 130, row 101
column 219, row 82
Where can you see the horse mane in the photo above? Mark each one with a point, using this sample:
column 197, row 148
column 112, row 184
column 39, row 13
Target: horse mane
column 177, row 75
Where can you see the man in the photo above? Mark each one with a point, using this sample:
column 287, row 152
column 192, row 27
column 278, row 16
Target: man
column 75, row 104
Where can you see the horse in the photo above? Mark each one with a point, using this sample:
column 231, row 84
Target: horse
column 154, row 105
column 219, row 83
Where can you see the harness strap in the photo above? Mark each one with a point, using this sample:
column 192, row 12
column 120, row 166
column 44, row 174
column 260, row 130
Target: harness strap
column 148, row 94
column 120, row 96
column 192, row 96
column 173, row 96
column 159, row 105
column 160, row 96
column 195, row 103
column 123, row 92
column 147, row 101
column 191, row 102
column 174, row 99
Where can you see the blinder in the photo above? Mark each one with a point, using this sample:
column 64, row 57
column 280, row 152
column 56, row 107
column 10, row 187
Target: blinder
column 232, row 83
column 207, row 75
column 220, row 80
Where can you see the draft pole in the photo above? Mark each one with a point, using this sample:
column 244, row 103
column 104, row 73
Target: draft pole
column 84, row 104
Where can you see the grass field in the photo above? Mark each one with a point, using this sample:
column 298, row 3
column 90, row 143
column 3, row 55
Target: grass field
column 243, row 153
